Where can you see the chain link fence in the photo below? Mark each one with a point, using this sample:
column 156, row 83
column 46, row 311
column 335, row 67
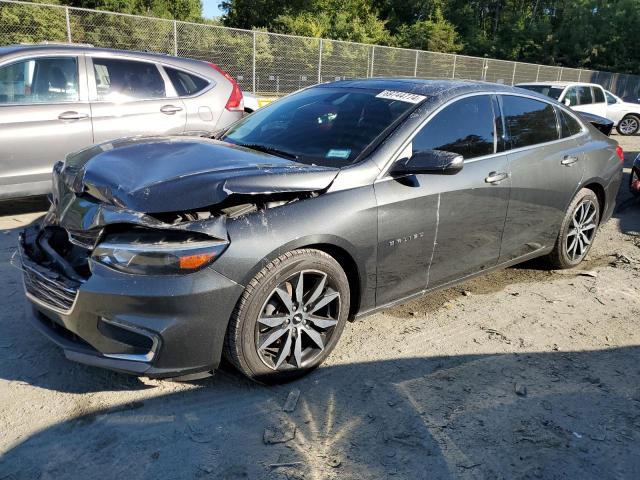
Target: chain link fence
column 274, row 64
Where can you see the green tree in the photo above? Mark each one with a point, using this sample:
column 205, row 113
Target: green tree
column 434, row 34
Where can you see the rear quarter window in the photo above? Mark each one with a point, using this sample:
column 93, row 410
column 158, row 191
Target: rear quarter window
column 529, row 121
column 186, row 84
column 569, row 126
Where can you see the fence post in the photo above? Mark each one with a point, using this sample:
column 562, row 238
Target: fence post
column 254, row 62
column 485, row 66
column 579, row 74
column 453, row 73
column 175, row 38
column 66, row 17
column 560, row 73
column 373, row 56
column 415, row 68
column 513, row 77
column 538, row 73
column 320, row 63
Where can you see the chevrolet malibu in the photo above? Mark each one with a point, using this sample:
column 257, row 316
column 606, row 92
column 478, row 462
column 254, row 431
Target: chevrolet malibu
column 160, row 255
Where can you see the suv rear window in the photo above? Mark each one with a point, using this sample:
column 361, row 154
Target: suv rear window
column 185, row 83
column 121, row 80
column 584, row 95
column 598, row 95
column 529, row 121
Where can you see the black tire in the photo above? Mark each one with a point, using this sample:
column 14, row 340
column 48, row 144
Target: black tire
column 566, row 253
column 629, row 125
column 262, row 299
column 634, row 176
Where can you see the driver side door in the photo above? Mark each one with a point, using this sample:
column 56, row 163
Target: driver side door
column 436, row 229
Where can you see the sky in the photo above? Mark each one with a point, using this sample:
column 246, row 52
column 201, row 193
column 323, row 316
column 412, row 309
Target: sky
column 210, row 8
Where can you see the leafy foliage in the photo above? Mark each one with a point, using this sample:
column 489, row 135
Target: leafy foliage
column 596, row 34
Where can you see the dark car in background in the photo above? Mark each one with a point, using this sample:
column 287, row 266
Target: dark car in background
column 58, row 98
column 634, row 177
column 327, row 205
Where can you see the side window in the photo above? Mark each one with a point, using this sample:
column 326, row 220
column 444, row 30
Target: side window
column 569, row 126
column 598, row 95
column 465, row 127
column 529, row 121
column 185, row 83
column 41, row 80
column 584, row 96
column 121, row 80
column 572, row 96
column 610, row 98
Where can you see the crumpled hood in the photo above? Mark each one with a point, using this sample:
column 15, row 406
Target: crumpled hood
column 170, row 174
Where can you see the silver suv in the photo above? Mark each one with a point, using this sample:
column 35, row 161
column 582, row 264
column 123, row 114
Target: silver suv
column 56, row 99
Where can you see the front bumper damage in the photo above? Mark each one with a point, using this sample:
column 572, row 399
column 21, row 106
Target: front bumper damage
column 162, row 327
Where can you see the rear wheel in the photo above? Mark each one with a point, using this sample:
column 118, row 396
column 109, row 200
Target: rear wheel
column 578, row 230
column 289, row 317
column 629, row 125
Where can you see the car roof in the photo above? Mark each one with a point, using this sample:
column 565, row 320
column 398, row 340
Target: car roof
column 560, row 83
column 423, row 86
column 438, row 90
column 52, row 47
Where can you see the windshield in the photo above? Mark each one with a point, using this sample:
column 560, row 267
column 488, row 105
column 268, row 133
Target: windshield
column 548, row 90
column 322, row 125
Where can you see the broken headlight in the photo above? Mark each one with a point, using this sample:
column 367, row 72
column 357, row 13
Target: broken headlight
column 158, row 253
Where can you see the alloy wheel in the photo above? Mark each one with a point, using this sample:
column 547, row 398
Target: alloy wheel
column 629, row 125
column 581, row 231
column 297, row 320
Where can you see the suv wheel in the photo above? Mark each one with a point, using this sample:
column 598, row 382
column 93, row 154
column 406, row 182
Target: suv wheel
column 289, row 317
column 629, row 125
column 578, row 230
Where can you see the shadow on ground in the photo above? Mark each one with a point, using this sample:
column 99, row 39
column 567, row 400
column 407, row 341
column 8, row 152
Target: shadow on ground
column 538, row 415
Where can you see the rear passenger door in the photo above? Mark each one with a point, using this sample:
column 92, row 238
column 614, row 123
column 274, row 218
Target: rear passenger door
column 132, row 97
column 546, row 167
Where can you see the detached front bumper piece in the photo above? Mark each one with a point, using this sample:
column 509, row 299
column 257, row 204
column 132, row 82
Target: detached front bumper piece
column 164, row 326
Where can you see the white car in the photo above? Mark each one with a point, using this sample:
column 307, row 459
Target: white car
column 624, row 115
column 583, row 97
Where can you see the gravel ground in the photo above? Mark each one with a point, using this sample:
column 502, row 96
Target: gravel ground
column 523, row 373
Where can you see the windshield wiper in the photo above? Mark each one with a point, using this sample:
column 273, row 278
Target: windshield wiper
column 267, row 149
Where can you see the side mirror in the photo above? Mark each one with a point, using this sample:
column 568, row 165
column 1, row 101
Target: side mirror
column 567, row 102
column 429, row 161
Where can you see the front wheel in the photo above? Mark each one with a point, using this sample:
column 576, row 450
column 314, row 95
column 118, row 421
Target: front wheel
column 289, row 317
column 629, row 125
column 577, row 232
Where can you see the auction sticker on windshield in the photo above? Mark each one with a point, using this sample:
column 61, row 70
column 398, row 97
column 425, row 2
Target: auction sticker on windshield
column 401, row 96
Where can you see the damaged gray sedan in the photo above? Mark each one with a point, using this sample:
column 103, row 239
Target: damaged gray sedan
column 160, row 255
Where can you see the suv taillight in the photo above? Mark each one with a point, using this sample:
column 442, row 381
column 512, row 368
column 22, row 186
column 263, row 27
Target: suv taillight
column 235, row 102
column 620, row 153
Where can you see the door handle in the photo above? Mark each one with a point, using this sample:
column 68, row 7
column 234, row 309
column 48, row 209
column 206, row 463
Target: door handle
column 71, row 115
column 495, row 178
column 170, row 109
column 569, row 160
